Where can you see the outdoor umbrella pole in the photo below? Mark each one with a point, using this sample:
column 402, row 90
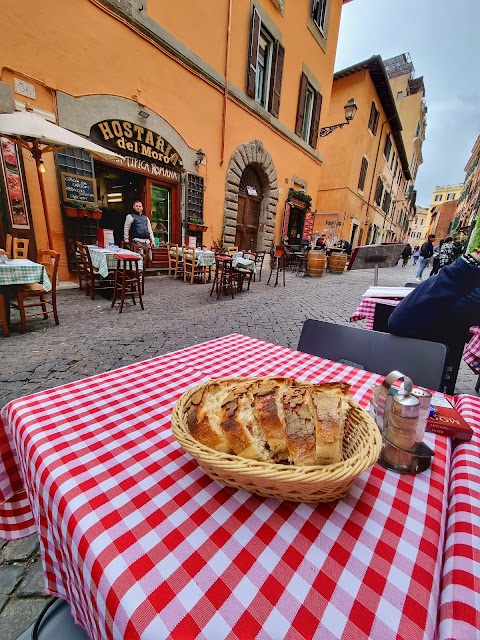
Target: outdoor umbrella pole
column 37, row 154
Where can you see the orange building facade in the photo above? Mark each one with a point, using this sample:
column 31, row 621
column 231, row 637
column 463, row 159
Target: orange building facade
column 216, row 108
column 365, row 181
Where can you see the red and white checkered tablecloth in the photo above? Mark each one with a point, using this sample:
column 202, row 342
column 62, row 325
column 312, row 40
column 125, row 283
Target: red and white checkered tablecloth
column 460, row 593
column 471, row 355
column 144, row 545
column 366, row 310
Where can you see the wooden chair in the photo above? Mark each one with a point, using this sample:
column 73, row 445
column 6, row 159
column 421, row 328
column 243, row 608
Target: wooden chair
column 278, row 263
column 79, row 266
column 127, row 280
column 3, row 316
column 20, row 248
column 231, row 250
column 190, row 267
column 126, row 245
column 50, row 260
column 175, row 264
column 8, row 245
column 92, row 275
column 142, row 250
column 226, row 279
column 259, row 264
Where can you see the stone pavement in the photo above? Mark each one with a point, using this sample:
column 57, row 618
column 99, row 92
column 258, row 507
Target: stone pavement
column 92, row 338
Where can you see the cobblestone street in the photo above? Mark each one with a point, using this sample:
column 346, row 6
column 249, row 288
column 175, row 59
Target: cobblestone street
column 93, row 338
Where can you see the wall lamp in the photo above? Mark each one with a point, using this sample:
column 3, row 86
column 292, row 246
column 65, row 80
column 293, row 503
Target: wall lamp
column 200, row 157
column 350, row 111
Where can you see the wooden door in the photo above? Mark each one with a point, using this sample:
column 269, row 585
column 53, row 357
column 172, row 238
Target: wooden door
column 248, row 216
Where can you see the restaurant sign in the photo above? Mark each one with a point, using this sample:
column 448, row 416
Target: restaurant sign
column 150, row 168
column 133, row 139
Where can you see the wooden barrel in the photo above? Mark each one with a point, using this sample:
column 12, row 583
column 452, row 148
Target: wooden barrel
column 337, row 262
column 316, row 263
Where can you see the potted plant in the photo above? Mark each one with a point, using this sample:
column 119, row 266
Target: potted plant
column 300, row 199
column 196, row 224
column 77, row 209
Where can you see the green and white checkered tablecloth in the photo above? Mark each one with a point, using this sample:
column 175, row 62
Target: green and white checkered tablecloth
column 104, row 259
column 203, row 258
column 244, row 263
column 24, row 272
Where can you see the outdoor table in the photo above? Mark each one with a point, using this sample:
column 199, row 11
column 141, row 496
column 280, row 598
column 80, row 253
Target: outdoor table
column 366, row 311
column 22, row 271
column 144, row 545
column 203, row 257
column 105, row 261
column 244, row 263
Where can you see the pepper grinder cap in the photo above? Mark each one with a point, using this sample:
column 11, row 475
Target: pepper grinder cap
column 406, row 405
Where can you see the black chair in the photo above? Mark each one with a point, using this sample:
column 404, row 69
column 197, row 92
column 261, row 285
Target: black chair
column 375, row 351
column 454, row 351
column 55, row 623
column 411, row 285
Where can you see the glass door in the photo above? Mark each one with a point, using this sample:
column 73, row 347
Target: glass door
column 161, row 209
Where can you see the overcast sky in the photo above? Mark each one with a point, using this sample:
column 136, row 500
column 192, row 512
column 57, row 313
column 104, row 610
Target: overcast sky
column 443, row 39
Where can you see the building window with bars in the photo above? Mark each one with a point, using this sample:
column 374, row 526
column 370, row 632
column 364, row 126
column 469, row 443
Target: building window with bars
column 319, row 14
column 195, row 197
column 363, row 174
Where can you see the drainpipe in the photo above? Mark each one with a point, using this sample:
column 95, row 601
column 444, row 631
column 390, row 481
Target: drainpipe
column 225, row 94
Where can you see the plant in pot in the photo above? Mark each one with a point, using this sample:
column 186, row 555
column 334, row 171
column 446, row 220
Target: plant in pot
column 78, row 209
column 196, row 224
column 300, row 198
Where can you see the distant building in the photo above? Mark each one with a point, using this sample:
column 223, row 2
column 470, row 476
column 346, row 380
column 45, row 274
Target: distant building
column 441, row 211
column 468, row 206
column 417, row 232
column 365, row 177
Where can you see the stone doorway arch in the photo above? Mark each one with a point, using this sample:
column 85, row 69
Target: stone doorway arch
column 254, row 154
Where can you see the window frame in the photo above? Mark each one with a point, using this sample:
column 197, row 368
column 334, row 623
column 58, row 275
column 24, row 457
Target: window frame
column 362, row 178
column 308, row 117
column 438, row 197
column 373, row 119
column 321, row 5
column 270, row 40
column 452, row 198
column 387, row 151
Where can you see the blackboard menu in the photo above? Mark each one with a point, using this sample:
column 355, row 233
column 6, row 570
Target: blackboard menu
column 78, row 188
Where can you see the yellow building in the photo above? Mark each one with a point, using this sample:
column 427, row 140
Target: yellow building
column 409, row 94
column 365, row 177
column 216, row 107
column 442, row 196
column 417, row 231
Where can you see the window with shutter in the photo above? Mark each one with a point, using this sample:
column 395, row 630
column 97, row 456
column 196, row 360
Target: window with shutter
column 363, row 174
column 373, row 120
column 315, row 126
column 302, row 98
column 276, row 79
column 253, row 53
column 319, row 14
column 379, row 191
column 388, row 147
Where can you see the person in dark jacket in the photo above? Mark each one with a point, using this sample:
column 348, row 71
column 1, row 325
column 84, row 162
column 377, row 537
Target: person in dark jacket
column 426, row 253
column 443, row 308
column 138, row 228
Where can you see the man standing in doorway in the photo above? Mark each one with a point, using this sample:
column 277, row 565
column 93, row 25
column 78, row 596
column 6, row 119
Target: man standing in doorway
column 426, row 253
column 138, row 228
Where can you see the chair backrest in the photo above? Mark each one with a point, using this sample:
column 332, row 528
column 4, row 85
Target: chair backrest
column 143, row 251
column 375, row 351
column 381, row 316
column 50, row 260
column 250, row 255
column 188, row 255
column 232, row 249
column 55, row 622
column 20, row 248
column 412, row 285
column 86, row 257
column 260, row 257
column 9, row 245
column 126, row 245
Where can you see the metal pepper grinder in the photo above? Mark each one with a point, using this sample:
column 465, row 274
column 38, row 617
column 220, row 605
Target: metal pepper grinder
column 401, row 452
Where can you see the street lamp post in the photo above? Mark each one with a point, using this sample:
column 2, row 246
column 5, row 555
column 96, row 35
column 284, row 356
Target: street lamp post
column 350, row 111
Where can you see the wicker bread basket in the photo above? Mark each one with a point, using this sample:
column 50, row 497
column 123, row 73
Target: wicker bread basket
column 361, row 448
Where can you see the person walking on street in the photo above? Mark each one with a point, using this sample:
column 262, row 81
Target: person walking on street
column 436, row 259
column 426, row 253
column 416, row 253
